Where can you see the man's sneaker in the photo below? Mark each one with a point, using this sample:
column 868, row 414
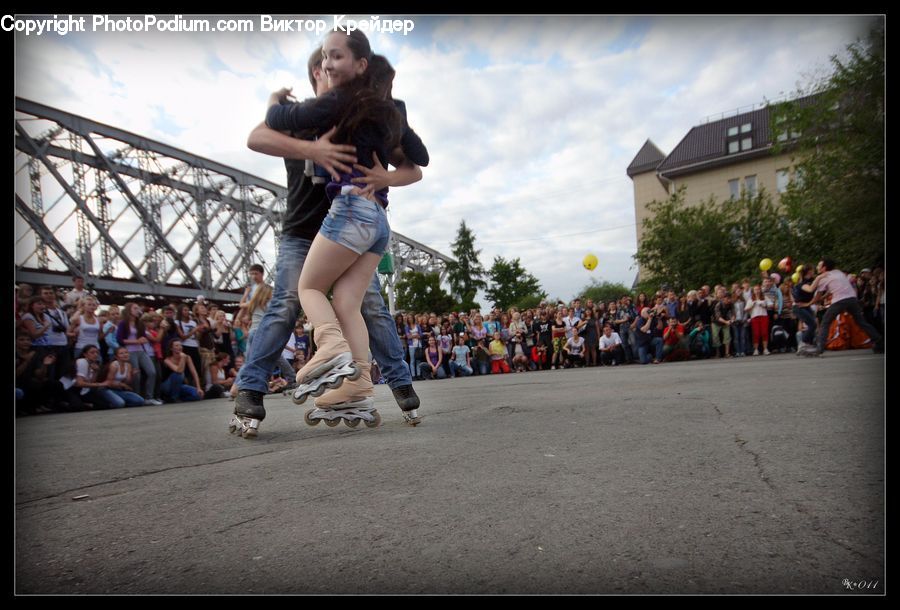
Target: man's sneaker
column 767, row 352
column 406, row 397
column 155, row 401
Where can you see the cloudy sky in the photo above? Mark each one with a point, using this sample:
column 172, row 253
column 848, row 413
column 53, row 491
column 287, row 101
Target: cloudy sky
column 530, row 121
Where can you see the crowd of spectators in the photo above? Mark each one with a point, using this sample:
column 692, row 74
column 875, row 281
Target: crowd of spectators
column 74, row 353
column 746, row 319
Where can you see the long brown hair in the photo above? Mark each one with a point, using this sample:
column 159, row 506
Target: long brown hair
column 128, row 320
column 367, row 100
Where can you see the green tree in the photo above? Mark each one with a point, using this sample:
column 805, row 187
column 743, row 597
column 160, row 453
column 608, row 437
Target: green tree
column 685, row 246
column 837, row 207
column 465, row 273
column 421, row 293
column 511, row 283
column 603, row 292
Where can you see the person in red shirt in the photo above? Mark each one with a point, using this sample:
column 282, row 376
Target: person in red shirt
column 674, row 342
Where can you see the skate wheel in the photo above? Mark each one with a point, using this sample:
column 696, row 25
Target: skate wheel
column 351, row 423
column 331, row 423
column 308, row 420
column 376, row 423
column 357, row 373
column 232, row 428
column 318, row 391
column 334, row 384
column 299, row 400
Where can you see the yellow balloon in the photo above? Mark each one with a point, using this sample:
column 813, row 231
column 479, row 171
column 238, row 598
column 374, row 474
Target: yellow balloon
column 796, row 277
column 590, row 262
column 765, row 264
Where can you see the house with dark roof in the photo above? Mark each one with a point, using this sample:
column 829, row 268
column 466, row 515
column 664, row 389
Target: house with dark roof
column 720, row 159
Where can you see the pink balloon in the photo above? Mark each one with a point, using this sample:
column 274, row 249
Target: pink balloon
column 776, row 278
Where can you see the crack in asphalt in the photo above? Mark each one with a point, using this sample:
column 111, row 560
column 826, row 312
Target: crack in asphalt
column 798, row 507
column 25, row 503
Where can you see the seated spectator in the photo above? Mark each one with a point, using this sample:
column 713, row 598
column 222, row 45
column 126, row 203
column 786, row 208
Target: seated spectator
column 649, row 334
column 174, row 389
column 36, row 391
column 574, row 350
column 299, row 361
column 498, row 355
column 482, row 358
column 218, row 382
column 461, row 364
column 120, row 376
column 86, row 391
column 699, row 341
column 519, row 355
column 611, row 350
column 539, row 357
column 445, row 343
column 675, row 342
column 431, row 368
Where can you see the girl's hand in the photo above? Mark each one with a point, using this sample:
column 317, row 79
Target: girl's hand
column 374, row 178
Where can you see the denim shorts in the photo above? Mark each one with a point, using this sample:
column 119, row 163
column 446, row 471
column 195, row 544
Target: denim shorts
column 357, row 223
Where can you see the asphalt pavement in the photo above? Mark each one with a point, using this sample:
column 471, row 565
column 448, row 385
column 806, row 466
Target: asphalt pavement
column 753, row 475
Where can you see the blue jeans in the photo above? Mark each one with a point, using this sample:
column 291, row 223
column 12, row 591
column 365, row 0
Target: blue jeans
column 141, row 360
column 277, row 324
column 174, row 389
column 127, row 398
column 740, row 337
column 806, row 315
column 655, row 344
column 413, row 363
column 459, row 370
column 484, row 368
column 425, row 371
column 625, row 335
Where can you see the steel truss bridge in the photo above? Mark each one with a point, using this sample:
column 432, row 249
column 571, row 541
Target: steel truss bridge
column 142, row 219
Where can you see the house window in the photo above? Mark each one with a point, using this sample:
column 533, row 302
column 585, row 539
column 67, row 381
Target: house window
column 782, row 179
column 750, row 185
column 746, row 143
column 732, row 131
column 746, row 127
column 733, row 147
column 798, row 176
column 734, row 187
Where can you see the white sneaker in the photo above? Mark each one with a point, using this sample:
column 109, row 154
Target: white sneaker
column 756, row 352
column 767, row 352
